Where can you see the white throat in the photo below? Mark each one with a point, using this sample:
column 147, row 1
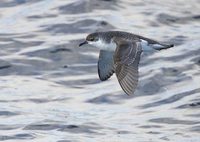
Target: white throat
column 100, row 44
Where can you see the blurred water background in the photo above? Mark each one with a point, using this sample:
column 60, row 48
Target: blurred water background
column 49, row 88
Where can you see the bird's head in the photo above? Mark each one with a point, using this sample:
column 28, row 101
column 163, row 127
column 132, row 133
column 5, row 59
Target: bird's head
column 91, row 39
column 98, row 39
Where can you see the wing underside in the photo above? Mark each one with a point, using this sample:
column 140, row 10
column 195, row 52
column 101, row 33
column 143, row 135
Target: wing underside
column 105, row 64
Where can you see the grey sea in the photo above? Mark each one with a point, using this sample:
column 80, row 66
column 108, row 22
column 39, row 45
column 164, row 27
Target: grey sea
column 50, row 90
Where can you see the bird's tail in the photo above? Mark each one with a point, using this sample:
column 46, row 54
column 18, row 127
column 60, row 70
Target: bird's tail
column 161, row 46
column 154, row 45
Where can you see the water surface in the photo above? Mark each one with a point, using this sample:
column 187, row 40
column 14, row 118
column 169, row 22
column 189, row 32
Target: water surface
column 49, row 88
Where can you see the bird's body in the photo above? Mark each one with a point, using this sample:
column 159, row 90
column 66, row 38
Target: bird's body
column 120, row 53
column 106, row 42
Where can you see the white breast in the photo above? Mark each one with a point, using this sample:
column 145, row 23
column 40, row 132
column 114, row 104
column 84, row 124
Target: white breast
column 104, row 46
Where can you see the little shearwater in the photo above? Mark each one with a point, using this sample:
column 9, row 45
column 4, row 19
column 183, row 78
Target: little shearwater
column 120, row 53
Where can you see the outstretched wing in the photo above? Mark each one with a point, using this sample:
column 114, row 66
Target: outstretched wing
column 126, row 60
column 105, row 65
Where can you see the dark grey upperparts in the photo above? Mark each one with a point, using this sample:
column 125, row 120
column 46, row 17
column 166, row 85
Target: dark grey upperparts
column 108, row 35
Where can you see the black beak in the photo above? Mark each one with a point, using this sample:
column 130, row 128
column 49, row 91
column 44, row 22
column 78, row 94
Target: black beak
column 85, row 42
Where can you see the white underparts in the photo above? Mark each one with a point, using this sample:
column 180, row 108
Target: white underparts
column 103, row 46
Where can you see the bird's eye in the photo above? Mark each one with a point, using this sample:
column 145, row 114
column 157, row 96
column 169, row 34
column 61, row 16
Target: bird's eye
column 91, row 39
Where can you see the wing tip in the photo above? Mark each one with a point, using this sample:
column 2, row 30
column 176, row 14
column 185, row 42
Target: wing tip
column 105, row 77
column 128, row 93
column 133, row 83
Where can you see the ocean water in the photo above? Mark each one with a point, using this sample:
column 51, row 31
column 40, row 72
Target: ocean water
column 49, row 88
